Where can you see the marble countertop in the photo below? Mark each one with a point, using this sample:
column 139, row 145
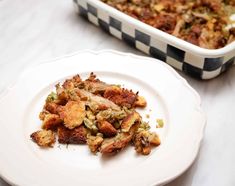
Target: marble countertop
column 35, row 31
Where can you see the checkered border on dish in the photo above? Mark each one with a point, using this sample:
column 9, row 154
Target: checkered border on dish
column 196, row 66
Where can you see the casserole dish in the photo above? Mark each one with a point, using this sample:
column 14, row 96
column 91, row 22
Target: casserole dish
column 191, row 59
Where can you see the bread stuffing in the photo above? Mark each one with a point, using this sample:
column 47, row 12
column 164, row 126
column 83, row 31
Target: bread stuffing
column 103, row 116
column 205, row 23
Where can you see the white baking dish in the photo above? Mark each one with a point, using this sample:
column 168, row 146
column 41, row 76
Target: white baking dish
column 191, row 59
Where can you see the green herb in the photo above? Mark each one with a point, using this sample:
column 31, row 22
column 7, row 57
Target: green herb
column 160, row 123
column 52, row 97
column 90, row 125
column 144, row 125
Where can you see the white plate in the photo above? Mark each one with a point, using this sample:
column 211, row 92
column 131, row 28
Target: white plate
column 168, row 95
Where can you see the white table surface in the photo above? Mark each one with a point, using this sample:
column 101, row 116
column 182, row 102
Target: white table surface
column 34, row 31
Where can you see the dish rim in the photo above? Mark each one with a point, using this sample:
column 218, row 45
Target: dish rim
column 163, row 36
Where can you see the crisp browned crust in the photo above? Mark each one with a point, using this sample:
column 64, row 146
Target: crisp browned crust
column 74, row 136
column 94, row 143
column 115, row 144
column 94, row 85
column 75, row 81
column 51, row 122
column 140, row 102
column 121, row 97
column 130, row 120
column 92, row 78
column 133, row 130
column 62, row 94
column 52, row 107
column 44, row 138
column 143, row 141
column 107, row 129
column 43, row 114
column 73, row 114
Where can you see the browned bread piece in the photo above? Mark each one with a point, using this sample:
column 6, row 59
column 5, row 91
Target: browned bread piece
column 94, row 85
column 140, row 102
column 143, row 141
column 51, row 122
column 72, row 83
column 52, row 107
column 73, row 114
column 74, row 136
column 107, row 129
column 43, row 114
column 115, row 144
column 120, row 96
column 130, row 120
column 44, row 138
column 62, row 94
column 94, row 142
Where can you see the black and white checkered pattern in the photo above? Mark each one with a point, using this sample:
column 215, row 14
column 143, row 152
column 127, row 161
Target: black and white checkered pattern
column 196, row 66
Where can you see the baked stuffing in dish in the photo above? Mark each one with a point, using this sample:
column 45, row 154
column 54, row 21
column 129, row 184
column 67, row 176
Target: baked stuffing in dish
column 205, row 23
column 95, row 113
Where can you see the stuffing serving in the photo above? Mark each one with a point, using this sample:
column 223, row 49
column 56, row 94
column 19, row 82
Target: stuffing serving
column 205, row 23
column 95, row 113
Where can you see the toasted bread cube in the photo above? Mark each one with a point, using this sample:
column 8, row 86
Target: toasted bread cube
column 68, row 84
column 107, row 129
column 134, row 128
column 51, row 107
column 62, row 94
column 143, row 141
column 130, row 120
column 121, row 97
column 146, row 150
column 72, row 83
column 94, row 142
column 43, row 114
column 140, row 102
column 116, row 143
column 73, row 114
column 51, row 122
column 74, row 136
column 44, row 138
column 92, row 77
column 154, row 139
column 94, row 85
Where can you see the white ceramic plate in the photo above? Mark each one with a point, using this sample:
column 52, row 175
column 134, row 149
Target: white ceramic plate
column 168, row 95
